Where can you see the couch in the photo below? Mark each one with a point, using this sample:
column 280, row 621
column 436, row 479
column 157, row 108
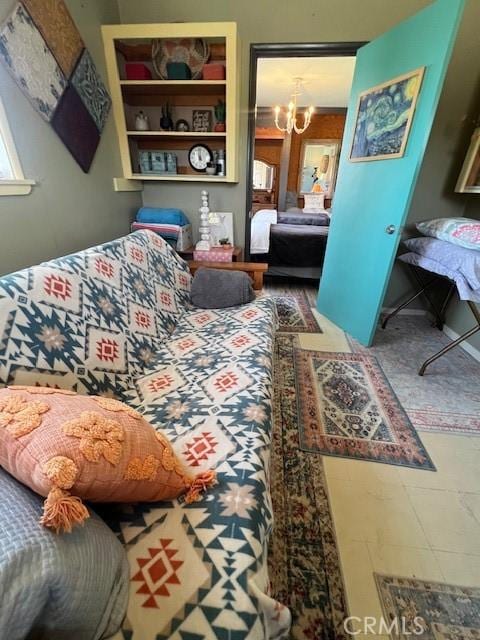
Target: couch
column 116, row 320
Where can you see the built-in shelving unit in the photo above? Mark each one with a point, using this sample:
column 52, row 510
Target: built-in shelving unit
column 133, row 43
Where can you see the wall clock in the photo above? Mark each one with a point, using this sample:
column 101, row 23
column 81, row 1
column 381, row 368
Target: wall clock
column 199, row 156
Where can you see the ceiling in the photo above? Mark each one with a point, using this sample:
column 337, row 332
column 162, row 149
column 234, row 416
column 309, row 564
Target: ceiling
column 326, row 81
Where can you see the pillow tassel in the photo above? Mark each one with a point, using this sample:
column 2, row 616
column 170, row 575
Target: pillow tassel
column 62, row 511
column 200, row 483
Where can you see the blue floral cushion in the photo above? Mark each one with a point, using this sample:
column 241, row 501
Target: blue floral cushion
column 462, row 231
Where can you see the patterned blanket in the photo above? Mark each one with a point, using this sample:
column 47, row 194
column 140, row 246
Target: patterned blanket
column 116, row 320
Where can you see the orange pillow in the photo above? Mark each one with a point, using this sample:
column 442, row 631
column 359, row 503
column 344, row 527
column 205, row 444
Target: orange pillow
column 66, row 447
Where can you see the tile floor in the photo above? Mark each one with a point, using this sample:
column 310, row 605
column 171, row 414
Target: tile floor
column 402, row 521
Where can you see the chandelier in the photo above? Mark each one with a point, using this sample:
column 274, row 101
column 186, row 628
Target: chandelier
column 291, row 117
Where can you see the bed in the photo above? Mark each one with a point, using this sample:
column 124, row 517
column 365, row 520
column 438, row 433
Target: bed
column 442, row 260
column 292, row 243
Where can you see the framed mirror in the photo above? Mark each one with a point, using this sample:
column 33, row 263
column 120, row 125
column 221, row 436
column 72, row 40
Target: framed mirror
column 263, row 175
column 469, row 178
column 318, row 167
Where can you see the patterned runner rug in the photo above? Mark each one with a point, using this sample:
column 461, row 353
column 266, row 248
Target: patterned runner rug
column 295, row 312
column 304, row 564
column 446, row 398
column 430, row 610
column 347, row 408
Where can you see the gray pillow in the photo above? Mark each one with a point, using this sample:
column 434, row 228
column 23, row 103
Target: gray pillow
column 219, row 288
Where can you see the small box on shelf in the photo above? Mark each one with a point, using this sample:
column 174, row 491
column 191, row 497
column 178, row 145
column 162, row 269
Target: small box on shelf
column 137, row 71
column 157, row 162
column 213, row 71
column 215, row 254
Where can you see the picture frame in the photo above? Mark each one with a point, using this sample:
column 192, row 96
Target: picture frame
column 317, row 170
column 202, row 120
column 469, row 178
column 221, row 226
column 384, row 117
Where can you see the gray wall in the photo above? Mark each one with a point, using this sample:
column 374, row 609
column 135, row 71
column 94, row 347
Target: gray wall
column 67, row 210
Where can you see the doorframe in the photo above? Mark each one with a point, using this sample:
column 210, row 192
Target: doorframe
column 280, row 50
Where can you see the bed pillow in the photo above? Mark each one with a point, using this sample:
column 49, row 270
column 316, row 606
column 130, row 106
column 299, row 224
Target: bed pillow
column 67, row 447
column 314, row 203
column 462, row 231
column 464, row 261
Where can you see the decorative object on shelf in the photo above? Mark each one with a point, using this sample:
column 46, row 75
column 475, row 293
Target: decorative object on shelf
column 225, row 244
column 469, row 178
column 318, row 167
column 137, row 71
column 166, row 122
column 204, row 229
column 221, row 227
column 199, row 156
column 220, row 114
column 157, row 162
column 220, row 160
column 182, row 125
column 44, row 53
column 202, row 120
column 141, row 121
column 291, row 117
column 178, row 71
column 194, row 52
column 384, row 117
column 213, row 71
column 211, row 169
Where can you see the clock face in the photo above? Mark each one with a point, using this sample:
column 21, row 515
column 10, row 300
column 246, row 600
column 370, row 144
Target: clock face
column 199, row 156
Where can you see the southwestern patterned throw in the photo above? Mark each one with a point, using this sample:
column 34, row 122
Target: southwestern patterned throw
column 44, row 53
column 116, row 321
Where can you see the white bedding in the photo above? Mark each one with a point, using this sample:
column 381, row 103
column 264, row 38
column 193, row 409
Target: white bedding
column 260, row 230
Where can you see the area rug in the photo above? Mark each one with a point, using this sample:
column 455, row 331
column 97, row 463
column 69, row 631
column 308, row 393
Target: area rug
column 436, row 611
column 295, row 312
column 347, row 408
column 304, row 565
column 446, row 398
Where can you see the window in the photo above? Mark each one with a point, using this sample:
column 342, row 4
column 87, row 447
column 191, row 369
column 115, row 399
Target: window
column 12, row 180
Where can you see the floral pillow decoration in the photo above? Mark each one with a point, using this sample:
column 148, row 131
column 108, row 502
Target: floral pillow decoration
column 462, row 231
column 68, row 447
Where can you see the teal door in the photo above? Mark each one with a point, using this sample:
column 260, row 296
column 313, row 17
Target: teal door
column 372, row 197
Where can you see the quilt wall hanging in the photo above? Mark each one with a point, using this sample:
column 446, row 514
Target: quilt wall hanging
column 45, row 54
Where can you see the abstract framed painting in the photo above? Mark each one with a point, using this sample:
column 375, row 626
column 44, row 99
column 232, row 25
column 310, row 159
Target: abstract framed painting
column 384, row 117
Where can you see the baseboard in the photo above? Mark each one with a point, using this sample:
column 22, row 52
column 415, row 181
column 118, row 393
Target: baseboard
column 405, row 312
column 466, row 346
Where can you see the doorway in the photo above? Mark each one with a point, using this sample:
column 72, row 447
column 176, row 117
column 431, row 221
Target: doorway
column 291, row 174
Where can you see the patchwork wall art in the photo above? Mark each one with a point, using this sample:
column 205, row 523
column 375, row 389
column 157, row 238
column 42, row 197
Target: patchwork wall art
column 384, row 117
column 45, row 54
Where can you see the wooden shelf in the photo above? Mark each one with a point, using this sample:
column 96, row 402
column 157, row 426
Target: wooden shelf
column 132, row 42
column 142, row 52
column 181, row 177
column 172, row 87
column 176, row 134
